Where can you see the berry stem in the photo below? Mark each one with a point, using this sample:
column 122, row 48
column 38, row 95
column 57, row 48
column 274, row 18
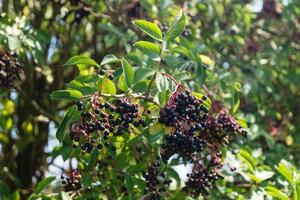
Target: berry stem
column 208, row 93
column 170, row 77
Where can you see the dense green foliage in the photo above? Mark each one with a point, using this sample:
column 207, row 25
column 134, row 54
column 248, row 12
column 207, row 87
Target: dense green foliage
column 241, row 63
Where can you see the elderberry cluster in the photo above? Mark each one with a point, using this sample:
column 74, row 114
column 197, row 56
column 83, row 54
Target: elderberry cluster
column 72, row 180
column 183, row 108
column 218, row 129
column 200, row 180
column 101, row 120
column 10, row 69
column 156, row 181
column 185, row 144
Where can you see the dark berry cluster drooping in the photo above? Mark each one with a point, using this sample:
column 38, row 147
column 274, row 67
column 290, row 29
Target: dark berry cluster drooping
column 156, row 181
column 200, row 180
column 10, row 69
column 197, row 135
column 218, row 129
column 185, row 144
column 183, row 109
column 72, row 180
column 102, row 120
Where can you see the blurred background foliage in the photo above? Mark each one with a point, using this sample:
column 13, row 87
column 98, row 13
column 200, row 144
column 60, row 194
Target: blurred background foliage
column 250, row 60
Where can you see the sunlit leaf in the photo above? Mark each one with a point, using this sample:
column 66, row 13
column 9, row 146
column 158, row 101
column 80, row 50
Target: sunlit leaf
column 81, row 60
column 148, row 48
column 128, row 72
column 276, row 193
column 149, row 28
column 109, row 59
column 177, row 27
column 66, row 95
column 43, row 184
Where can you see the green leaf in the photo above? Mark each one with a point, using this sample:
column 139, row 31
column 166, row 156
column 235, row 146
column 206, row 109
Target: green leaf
column 4, row 188
column 65, row 196
column 171, row 172
column 15, row 195
column 162, row 82
column 85, row 89
column 235, row 101
column 156, row 137
column 296, row 191
column 184, row 51
column 141, row 86
column 149, row 28
column 274, row 192
column 107, row 86
column 142, row 74
column 156, row 128
column 285, row 171
column 93, row 160
column 43, row 183
column 61, row 130
column 137, row 139
column 86, row 180
column 163, row 97
column 263, row 175
column 122, row 83
column 86, row 78
column 247, row 159
column 66, row 95
column 128, row 72
column 109, row 59
column 148, row 48
column 81, row 60
column 129, row 183
column 14, row 42
column 66, row 152
column 177, row 27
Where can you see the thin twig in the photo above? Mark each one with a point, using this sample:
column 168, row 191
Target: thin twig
column 150, row 84
column 208, row 93
column 170, row 77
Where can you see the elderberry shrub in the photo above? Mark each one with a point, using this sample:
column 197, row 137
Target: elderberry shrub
column 156, row 181
column 72, row 180
column 185, row 144
column 220, row 129
column 101, row 120
column 183, row 109
column 10, row 69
